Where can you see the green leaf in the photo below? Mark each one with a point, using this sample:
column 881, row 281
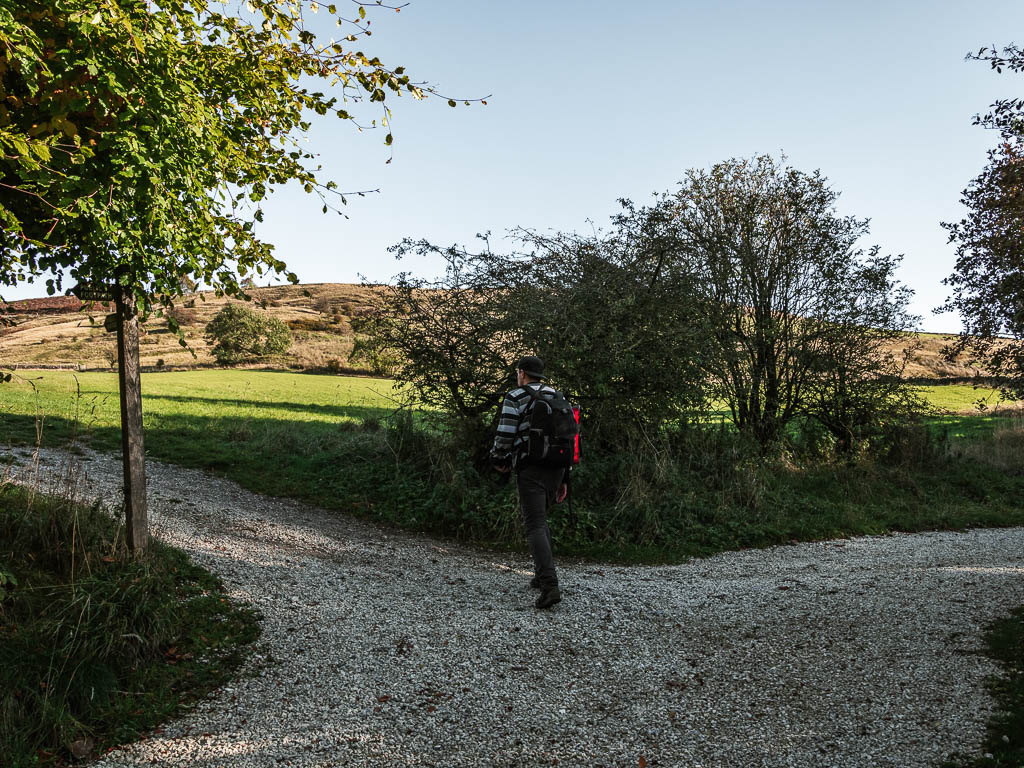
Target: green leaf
column 20, row 145
column 42, row 151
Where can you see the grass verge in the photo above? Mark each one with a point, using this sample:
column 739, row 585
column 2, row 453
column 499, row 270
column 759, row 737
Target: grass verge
column 98, row 647
column 1004, row 745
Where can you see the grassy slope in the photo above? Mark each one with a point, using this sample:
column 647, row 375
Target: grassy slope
column 322, row 332
column 320, row 322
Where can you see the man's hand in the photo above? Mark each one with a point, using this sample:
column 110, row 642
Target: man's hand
column 503, row 468
column 563, row 491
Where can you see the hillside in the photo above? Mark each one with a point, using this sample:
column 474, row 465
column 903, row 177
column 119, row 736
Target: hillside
column 63, row 332
column 60, row 331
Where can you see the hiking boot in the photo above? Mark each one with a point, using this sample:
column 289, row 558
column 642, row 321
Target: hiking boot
column 535, row 582
column 549, row 597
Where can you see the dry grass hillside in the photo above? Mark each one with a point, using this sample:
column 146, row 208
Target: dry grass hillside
column 62, row 332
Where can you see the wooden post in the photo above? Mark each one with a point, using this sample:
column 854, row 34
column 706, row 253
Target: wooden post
column 134, row 457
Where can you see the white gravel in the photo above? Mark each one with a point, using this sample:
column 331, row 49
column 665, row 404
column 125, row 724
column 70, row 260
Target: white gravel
column 387, row 649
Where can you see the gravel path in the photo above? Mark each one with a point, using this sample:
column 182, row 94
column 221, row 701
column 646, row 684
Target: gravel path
column 385, row 649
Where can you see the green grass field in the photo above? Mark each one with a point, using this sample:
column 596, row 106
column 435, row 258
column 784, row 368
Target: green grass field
column 959, row 398
column 204, row 395
column 234, row 403
column 268, row 430
column 318, row 438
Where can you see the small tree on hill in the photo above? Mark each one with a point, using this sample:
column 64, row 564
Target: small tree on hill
column 239, row 333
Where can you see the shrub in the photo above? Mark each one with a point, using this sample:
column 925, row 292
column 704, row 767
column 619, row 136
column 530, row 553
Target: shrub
column 619, row 331
column 309, row 324
column 181, row 316
column 239, row 333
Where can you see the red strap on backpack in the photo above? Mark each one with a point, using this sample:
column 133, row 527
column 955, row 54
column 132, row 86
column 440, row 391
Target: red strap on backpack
column 576, row 448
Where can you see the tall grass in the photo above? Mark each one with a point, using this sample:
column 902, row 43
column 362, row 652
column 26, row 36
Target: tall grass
column 98, row 646
column 1004, row 450
column 687, row 492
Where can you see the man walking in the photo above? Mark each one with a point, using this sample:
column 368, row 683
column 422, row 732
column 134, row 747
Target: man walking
column 538, row 485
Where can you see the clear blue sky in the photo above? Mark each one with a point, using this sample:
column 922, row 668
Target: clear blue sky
column 593, row 101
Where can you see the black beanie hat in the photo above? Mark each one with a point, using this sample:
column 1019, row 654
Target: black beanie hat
column 532, row 366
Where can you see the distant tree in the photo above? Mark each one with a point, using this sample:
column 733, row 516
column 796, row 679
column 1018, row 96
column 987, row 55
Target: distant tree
column 239, row 333
column 179, row 316
column 988, row 280
column 800, row 314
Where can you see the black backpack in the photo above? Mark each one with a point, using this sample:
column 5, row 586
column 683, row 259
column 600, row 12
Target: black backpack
column 552, row 439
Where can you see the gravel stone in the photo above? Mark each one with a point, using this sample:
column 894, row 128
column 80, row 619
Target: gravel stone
column 389, row 649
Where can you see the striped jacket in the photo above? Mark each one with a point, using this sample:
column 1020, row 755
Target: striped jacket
column 512, row 427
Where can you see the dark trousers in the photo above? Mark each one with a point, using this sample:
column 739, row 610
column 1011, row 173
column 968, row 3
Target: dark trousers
column 537, row 489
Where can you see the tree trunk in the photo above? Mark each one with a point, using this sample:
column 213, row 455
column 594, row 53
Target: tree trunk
column 133, row 453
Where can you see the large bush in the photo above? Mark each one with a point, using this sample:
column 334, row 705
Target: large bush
column 744, row 294
column 239, row 333
column 620, row 333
